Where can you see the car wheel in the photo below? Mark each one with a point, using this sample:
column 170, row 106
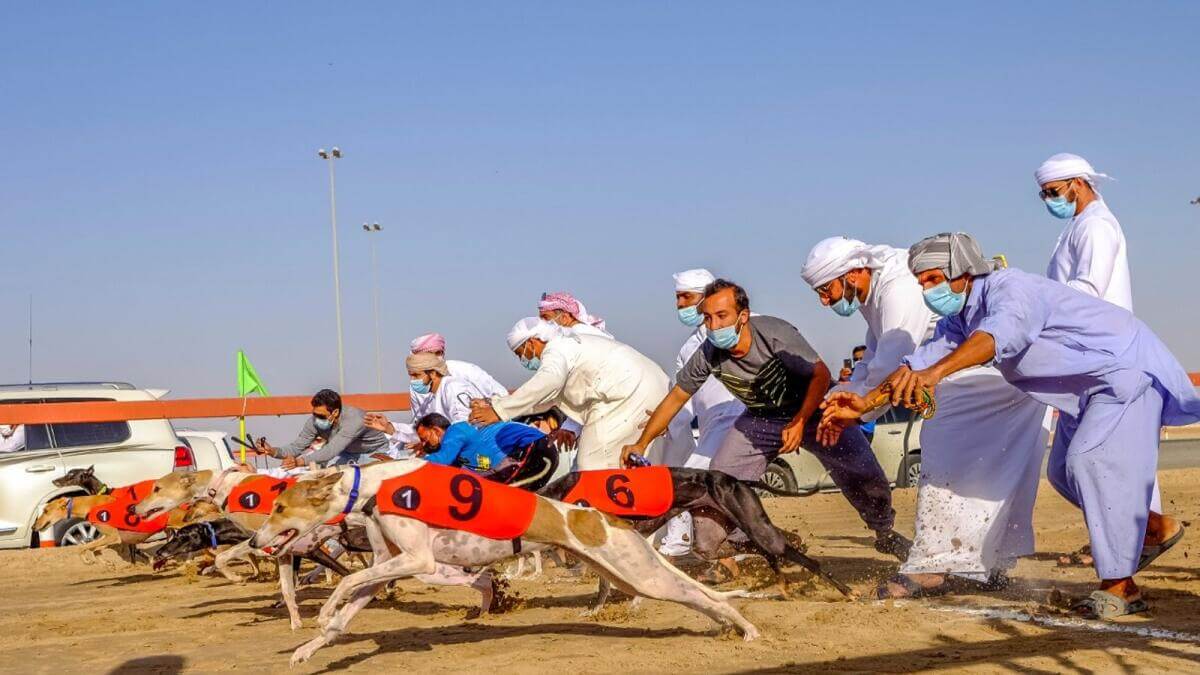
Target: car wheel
column 779, row 477
column 910, row 472
column 75, row 531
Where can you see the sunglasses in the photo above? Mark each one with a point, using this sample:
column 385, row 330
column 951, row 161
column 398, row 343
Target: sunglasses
column 824, row 289
column 1054, row 192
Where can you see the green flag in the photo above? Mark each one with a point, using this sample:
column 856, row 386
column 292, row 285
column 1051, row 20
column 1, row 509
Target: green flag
column 247, row 379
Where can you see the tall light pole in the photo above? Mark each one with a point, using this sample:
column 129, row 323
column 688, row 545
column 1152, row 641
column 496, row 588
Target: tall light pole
column 337, row 281
column 369, row 229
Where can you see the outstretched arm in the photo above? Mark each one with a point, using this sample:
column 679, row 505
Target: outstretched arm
column 658, row 422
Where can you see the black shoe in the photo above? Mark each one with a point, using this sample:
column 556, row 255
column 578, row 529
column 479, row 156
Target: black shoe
column 891, row 542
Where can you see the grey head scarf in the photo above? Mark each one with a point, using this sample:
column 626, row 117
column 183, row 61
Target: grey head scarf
column 955, row 254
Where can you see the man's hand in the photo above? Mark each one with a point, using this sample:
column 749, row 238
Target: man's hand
column 842, row 407
column 907, row 385
column 379, row 422
column 289, row 463
column 829, row 431
column 563, row 439
column 482, row 413
column 262, row 447
column 793, row 435
column 634, row 449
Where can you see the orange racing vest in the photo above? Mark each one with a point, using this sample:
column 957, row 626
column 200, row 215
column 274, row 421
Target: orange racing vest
column 256, row 494
column 456, row 499
column 644, row 491
column 119, row 513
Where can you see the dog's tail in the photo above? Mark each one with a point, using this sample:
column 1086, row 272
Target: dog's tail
column 759, row 485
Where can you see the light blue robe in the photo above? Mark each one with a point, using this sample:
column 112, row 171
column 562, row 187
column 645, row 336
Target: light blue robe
column 1110, row 377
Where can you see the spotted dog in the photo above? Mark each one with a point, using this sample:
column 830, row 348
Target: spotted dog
column 418, row 514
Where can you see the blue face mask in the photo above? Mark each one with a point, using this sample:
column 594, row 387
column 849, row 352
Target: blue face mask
column 323, row 425
column 532, row 364
column 419, row 386
column 943, row 301
column 1059, row 207
column 724, row 338
column 691, row 316
column 846, row 307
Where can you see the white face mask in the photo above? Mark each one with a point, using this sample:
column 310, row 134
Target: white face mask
column 6, row 430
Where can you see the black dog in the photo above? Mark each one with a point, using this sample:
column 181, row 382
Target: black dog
column 199, row 536
column 703, row 490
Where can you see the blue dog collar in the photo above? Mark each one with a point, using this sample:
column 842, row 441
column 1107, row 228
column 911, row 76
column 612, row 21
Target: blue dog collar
column 212, row 533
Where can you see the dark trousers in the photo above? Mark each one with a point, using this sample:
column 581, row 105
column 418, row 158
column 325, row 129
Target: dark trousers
column 754, row 442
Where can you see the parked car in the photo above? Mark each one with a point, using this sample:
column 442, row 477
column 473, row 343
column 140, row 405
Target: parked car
column 211, row 449
column 897, row 446
column 122, row 453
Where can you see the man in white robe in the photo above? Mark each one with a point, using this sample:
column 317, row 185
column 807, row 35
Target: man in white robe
column 980, row 454
column 567, row 311
column 1090, row 254
column 607, row 385
column 12, row 437
column 712, row 407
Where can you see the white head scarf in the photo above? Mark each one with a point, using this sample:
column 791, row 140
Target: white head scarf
column 833, row 257
column 532, row 327
column 1064, row 165
column 693, row 281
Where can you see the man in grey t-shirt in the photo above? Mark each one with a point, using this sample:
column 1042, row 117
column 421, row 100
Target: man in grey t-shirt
column 347, row 439
column 768, row 365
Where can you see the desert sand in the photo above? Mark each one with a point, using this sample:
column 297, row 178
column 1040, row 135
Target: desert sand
column 61, row 616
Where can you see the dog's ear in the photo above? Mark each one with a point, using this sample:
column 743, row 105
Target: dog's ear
column 321, row 490
column 90, row 471
column 187, row 478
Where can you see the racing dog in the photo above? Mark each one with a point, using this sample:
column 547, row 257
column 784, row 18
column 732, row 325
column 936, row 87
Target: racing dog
column 83, row 478
column 112, row 514
column 418, row 514
column 652, row 495
column 246, row 499
column 224, row 532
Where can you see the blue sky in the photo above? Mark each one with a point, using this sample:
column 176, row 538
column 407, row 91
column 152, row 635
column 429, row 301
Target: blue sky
column 161, row 197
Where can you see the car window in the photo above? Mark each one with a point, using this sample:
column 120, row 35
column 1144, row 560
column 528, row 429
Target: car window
column 77, row 434
column 896, row 415
column 89, row 433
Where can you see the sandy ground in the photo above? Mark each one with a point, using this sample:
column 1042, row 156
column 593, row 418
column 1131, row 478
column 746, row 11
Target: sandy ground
column 60, row 616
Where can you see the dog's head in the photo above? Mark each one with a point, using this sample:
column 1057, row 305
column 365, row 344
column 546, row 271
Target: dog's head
column 201, row 511
column 55, row 511
column 299, row 510
column 172, row 490
column 77, row 477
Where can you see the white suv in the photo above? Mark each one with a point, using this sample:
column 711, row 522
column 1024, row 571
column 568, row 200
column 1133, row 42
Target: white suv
column 122, row 453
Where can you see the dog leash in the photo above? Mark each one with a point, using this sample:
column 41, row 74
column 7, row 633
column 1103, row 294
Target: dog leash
column 349, row 502
column 212, row 533
column 926, row 408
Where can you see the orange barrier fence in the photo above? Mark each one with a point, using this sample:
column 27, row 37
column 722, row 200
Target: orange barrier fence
column 113, row 411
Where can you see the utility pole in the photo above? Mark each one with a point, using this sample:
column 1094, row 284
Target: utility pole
column 371, row 230
column 337, row 280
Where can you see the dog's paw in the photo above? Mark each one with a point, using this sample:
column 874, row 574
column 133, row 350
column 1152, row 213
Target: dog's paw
column 751, row 634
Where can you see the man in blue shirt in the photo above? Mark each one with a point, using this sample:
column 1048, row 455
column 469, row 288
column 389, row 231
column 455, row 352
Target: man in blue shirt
column 504, row 451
